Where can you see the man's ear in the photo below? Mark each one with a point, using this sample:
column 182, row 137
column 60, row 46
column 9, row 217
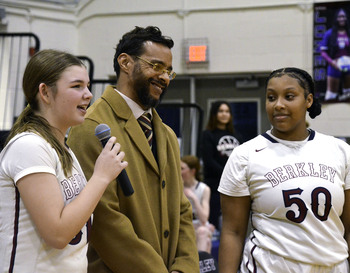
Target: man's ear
column 125, row 62
column 44, row 93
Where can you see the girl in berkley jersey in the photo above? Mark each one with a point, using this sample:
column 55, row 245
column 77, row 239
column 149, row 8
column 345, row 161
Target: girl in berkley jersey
column 294, row 183
column 45, row 202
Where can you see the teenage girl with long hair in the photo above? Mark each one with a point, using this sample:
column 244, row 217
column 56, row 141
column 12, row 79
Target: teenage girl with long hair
column 45, row 201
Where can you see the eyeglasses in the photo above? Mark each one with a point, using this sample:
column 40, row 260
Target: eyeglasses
column 159, row 68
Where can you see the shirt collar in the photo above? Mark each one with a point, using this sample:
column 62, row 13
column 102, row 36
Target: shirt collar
column 135, row 108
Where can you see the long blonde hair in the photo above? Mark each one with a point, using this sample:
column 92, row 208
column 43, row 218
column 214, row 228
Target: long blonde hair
column 46, row 66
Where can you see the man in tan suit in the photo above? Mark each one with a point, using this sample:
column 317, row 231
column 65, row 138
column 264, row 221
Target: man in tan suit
column 150, row 230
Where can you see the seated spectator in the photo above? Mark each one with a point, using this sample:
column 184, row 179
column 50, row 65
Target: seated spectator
column 198, row 194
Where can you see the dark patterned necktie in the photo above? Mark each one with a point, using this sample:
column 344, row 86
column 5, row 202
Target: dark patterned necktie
column 146, row 125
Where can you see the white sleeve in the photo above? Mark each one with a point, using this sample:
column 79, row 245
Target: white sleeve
column 346, row 149
column 27, row 154
column 233, row 181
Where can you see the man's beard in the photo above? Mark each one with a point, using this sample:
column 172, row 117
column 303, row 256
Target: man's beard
column 142, row 88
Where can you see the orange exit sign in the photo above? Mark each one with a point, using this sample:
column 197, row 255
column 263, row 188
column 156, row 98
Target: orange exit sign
column 197, row 53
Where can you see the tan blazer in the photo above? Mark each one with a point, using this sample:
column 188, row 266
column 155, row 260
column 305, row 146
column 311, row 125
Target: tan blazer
column 151, row 230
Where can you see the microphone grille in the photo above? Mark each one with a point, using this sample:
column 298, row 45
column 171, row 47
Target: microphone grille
column 102, row 131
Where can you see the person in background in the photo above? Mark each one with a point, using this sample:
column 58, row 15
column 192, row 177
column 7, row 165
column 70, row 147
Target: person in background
column 199, row 195
column 217, row 143
column 335, row 47
column 295, row 184
column 150, row 230
column 45, row 201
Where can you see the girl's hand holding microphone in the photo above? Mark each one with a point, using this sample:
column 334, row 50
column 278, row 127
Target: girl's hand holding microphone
column 110, row 162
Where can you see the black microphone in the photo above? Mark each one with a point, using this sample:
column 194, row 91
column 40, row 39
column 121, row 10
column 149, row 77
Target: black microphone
column 103, row 133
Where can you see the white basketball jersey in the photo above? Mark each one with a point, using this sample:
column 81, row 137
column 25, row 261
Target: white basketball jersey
column 297, row 192
column 22, row 250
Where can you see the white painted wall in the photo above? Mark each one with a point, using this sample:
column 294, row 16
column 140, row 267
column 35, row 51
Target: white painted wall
column 55, row 26
column 245, row 36
column 334, row 120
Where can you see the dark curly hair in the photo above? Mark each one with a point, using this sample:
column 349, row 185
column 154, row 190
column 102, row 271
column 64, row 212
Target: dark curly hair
column 132, row 43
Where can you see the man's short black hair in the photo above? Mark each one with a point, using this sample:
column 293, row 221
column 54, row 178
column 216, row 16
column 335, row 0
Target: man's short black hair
column 132, row 43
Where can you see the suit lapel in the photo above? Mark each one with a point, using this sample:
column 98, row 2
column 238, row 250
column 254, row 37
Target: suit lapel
column 161, row 138
column 131, row 126
column 137, row 136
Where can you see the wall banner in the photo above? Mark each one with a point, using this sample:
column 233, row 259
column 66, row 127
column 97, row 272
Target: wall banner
column 331, row 56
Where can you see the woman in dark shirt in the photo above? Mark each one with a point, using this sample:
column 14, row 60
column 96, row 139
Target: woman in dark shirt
column 217, row 143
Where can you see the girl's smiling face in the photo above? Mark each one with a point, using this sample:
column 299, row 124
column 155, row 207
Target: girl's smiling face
column 71, row 98
column 286, row 106
column 224, row 114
